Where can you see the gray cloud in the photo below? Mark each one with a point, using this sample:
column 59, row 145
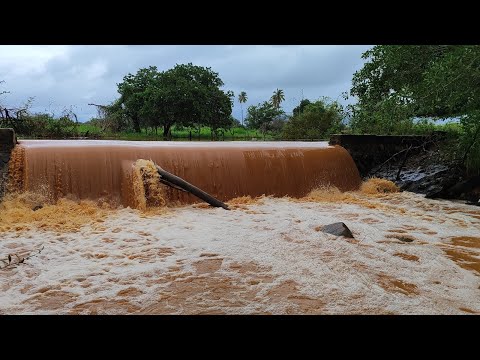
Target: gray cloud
column 63, row 76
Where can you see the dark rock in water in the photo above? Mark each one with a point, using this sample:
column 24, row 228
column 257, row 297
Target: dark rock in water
column 338, row 229
column 440, row 186
column 468, row 189
column 38, row 207
column 4, row 157
column 419, row 164
column 475, row 203
column 404, row 238
column 430, row 179
column 429, row 172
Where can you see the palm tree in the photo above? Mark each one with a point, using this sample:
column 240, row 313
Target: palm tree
column 242, row 98
column 277, row 97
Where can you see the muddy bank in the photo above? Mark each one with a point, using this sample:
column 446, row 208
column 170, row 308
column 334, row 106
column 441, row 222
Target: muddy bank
column 415, row 163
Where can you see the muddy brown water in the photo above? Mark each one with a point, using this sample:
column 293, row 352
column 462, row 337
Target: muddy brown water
column 92, row 169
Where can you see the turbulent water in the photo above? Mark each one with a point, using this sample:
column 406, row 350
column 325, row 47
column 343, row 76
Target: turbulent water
column 144, row 190
column 267, row 255
column 66, row 247
column 103, row 169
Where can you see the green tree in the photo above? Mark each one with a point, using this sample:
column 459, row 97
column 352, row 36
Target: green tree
column 317, row 121
column 242, row 98
column 277, row 98
column 299, row 109
column 278, row 124
column 112, row 117
column 399, row 84
column 219, row 118
column 132, row 93
column 262, row 116
column 186, row 95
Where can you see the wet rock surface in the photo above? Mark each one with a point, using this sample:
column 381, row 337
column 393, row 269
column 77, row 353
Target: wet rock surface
column 338, row 229
column 431, row 174
column 415, row 163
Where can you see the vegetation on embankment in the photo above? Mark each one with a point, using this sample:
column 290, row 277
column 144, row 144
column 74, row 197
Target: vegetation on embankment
column 403, row 88
column 91, row 130
column 400, row 90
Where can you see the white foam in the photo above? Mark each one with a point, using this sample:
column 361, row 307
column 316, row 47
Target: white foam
column 279, row 237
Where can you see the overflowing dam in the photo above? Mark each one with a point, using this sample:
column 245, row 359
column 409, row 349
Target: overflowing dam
column 93, row 169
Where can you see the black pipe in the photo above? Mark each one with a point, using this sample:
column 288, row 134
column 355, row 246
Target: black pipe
column 175, row 180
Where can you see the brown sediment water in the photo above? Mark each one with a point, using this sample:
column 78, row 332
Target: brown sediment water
column 369, row 191
column 141, row 187
column 378, row 186
column 265, row 256
column 464, row 250
column 466, row 241
column 16, row 170
column 21, row 212
column 88, row 169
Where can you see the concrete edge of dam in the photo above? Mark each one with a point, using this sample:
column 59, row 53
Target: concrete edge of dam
column 369, row 151
column 7, row 143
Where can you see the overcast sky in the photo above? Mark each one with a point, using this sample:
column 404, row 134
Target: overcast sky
column 61, row 77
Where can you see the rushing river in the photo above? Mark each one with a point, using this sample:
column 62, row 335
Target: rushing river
column 70, row 243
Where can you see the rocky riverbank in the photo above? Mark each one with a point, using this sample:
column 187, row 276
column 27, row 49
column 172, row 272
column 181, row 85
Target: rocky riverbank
column 430, row 174
column 418, row 164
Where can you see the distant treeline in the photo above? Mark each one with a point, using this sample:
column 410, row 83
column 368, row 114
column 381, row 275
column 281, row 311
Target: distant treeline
column 401, row 89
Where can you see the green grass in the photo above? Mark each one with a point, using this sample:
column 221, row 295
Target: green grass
column 238, row 133
column 83, row 128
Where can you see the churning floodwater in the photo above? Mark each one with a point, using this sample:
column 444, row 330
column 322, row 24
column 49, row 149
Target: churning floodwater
column 87, row 229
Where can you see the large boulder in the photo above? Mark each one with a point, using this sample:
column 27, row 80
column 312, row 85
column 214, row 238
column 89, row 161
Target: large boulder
column 338, row 229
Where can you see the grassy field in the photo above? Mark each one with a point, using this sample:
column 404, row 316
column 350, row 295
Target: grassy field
column 91, row 131
column 238, row 133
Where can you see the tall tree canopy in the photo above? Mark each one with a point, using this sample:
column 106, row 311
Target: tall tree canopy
column 132, row 93
column 402, row 82
column 314, row 120
column 277, row 98
column 220, row 110
column 184, row 95
column 262, row 116
column 299, row 109
column 424, row 80
column 242, row 98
